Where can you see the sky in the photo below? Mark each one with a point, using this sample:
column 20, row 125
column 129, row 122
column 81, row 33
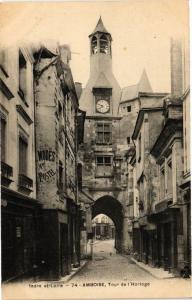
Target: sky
column 141, row 31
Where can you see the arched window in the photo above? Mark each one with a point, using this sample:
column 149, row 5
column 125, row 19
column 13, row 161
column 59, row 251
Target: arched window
column 94, row 45
column 104, row 44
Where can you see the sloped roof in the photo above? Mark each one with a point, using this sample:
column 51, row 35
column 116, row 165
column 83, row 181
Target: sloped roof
column 102, row 82
column 132, row 91
column 99, row 27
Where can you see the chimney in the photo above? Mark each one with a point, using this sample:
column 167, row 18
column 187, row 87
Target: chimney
column 78, row 88
column 65, row 53
column 176, row 67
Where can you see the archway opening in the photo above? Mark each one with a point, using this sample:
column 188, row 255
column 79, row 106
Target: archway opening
column 104, row 44
column 103, row 234
column 110, row 209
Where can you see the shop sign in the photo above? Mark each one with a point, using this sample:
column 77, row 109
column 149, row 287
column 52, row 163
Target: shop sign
column 63, row 218
column 143, row 221
column 150, row 226
column 130, row 227
column 18, row 232
column 136, row 225
column 163, row 205
column 4, row 203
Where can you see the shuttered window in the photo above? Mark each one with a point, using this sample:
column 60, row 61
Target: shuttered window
column 22, row 76
column 3, row 139
column 61, row 176
column 23, row 146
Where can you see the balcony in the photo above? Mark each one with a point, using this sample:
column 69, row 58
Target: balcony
column 25, row 183
column 6, row 173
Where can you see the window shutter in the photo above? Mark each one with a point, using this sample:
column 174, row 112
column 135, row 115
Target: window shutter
column 3, row 139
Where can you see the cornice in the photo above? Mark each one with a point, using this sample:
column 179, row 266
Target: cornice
column 24, row 115
column 5, row 90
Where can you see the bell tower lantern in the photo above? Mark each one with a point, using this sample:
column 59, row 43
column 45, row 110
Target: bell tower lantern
column 100, row 48
column 100, row 40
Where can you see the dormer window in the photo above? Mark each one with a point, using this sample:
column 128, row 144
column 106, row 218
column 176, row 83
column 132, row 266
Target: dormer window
column 104, row 44
column 94, row 49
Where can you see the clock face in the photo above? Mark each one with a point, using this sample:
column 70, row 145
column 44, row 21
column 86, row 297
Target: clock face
column 102, row 106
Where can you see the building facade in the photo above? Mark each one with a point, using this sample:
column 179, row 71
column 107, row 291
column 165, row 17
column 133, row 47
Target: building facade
column 56, row 157
column 41, row 237
column 161, row 224
column 20, row 208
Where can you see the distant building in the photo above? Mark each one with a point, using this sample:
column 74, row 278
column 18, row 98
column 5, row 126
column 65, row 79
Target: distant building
column 103, row 228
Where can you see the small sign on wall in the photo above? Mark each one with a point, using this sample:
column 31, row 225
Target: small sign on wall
column 18, row 231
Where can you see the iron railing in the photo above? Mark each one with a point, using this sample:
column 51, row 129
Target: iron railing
column 6, row 170
column 25, row 181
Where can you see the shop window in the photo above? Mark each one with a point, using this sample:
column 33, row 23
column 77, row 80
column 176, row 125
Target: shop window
column 103, row 133
column 23, row 149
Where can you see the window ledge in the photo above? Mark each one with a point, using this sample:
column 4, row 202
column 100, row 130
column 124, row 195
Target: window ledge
column 104, row 143
column 5, row 90
column 4, row 71
column 25, row 182
column 104, row 176
column 21, row 95
column 23, row 113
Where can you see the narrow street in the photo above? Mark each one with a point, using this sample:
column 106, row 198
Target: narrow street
column 122, row 276
column 109, row 265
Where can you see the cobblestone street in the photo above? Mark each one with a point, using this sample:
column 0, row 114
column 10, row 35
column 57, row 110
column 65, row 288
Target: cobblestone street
column 109, row 265
column 118, row 271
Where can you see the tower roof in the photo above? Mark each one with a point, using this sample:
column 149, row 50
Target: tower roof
column 102, row 82
column 132, row 92
column 144, row 84
column 99, row 28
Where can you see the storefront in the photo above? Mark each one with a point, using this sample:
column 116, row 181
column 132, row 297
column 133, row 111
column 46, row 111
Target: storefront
column 20, row 238
column 167, row 239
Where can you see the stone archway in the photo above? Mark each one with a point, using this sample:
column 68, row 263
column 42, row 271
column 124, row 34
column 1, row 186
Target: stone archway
column 112, row 208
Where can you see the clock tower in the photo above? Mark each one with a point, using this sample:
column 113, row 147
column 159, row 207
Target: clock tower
column 100, row 99
column 103, row 174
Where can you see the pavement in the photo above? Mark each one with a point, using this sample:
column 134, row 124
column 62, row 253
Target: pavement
column 108, row 275
column 109, row 265
column 158, row 273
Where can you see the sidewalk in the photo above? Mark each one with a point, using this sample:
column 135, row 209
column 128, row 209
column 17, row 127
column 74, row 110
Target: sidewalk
column 66, row 278
column 74, row 271
column 158, row 273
